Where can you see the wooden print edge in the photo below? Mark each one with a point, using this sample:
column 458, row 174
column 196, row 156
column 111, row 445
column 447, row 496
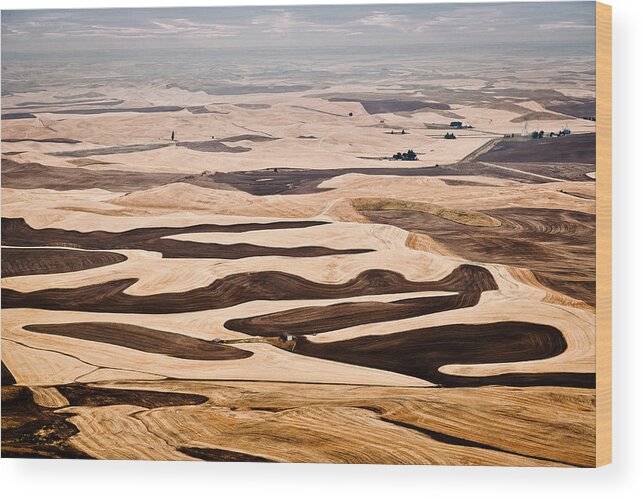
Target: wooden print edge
column 603, row 234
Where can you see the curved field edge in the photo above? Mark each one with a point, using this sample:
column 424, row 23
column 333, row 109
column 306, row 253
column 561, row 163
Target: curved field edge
column 464, row 217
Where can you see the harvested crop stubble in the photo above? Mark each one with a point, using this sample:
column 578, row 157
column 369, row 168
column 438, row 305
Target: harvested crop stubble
column 557, row 245
column 464, row 217
column 313, row 423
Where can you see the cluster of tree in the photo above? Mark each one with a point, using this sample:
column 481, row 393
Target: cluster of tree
column 449, row 135
column 541, row 134
column 405, row 156
column 534, row 134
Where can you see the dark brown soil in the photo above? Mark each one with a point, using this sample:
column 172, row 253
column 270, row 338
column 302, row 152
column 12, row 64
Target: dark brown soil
column 143, row 339
column 37, row 176
column 62, row 101
column 30, row 261
column 313, row 320
column 298, row 181
column 579, row 148
column 16, row 232
column 53, row 140
column 88, row 95
column 272, row 181
column 203, row 110
column 471, row 282
column 7, row 377
column 257, row 182
column 582, row 108
column 93, row 396
column 557, row 245
column 249, row 137
column 253, row 106
column 151, row 109
column 225, row 292
column 468, row 183
column 52, row 107
column 17, row 116
column 212, row 146
column 104, row 151
column 32, row 431
column 221, row 455
column 393, row 105
column 420, row 353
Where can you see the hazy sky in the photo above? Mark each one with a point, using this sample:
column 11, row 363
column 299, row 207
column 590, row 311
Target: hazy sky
column 567, row 26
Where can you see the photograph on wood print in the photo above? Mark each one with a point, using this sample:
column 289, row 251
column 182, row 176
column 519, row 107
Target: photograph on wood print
column 307, row 234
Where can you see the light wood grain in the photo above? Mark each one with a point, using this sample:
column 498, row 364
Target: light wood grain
column 603, row 234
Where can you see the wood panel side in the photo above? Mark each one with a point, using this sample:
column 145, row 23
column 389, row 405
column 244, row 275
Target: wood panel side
column 603, row 234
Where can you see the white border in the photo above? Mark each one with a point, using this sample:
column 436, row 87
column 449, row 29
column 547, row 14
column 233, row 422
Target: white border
column 23, row 479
